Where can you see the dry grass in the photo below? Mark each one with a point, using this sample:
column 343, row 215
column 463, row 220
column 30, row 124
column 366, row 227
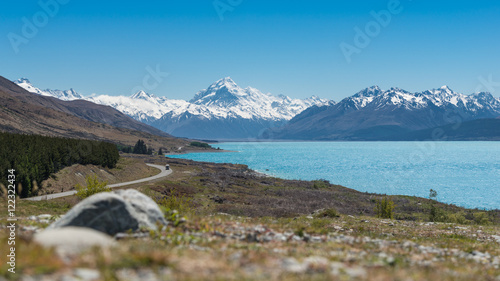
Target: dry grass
column 127, row 169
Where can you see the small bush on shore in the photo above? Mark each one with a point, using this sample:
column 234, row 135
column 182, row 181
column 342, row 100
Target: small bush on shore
column 321, row 183
column 385, row 208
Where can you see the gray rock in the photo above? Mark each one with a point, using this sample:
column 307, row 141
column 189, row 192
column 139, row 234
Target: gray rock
column 73, row 240
column 45, row 216
column 87, row 274
column 292, row 265
column 114, row 212
column 147, row 210
column 496, row 237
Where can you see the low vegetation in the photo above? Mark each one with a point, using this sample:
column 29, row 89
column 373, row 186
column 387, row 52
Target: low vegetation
column 236, row 190
column 200, row 144
column 385, row 208
column 93, row 186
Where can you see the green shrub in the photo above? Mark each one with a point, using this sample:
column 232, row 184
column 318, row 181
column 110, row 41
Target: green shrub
column 93, row 186
column 300, row 231
column 175, row 205
column 457, row 218
column 385, row 208
column 176, row 201
column 437, row 214
column 481, row 218
column 321, row 183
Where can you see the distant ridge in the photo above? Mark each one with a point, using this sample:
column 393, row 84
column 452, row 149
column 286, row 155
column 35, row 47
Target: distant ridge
column 475, row 130
column 225, row 111
column 222, row 111
column 25, row 112
column 374, row 114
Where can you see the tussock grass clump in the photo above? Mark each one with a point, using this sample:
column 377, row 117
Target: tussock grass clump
column 328, row 213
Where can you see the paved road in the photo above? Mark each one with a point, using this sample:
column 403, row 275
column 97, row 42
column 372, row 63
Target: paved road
column 162, row 174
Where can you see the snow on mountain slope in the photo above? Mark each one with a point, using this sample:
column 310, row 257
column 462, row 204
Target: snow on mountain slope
column 66, row 95
column 224, row 105
column 140, row 106
column 442, row 97
column 225, row 110
column 231, row 100
column 374, row 114
column 223, row 99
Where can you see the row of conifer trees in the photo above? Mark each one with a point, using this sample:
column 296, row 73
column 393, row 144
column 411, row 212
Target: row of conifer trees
column 34, row 158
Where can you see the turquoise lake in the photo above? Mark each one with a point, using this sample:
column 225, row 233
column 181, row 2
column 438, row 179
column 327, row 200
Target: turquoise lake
column 463, row 173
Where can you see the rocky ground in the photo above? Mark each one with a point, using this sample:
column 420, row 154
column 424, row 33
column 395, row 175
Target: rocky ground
column 235, row 248
column 203, row 243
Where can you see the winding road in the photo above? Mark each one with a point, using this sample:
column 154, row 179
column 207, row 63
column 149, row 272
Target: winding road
column 162, row 174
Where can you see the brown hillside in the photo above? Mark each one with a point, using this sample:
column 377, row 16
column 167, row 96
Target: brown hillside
column 24, row 112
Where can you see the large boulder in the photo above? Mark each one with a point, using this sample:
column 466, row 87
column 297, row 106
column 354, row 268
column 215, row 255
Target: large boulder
column 114, row 212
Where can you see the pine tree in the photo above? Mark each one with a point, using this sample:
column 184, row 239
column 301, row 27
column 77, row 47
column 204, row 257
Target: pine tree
column 140, row 148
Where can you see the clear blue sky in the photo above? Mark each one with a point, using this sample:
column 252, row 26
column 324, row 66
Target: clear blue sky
column 281, row 47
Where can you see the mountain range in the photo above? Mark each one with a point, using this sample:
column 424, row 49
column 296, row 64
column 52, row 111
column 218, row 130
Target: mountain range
column 67, row 95
column 222, row 111
column 24, row 112
column 376, row 114
column 226, row 111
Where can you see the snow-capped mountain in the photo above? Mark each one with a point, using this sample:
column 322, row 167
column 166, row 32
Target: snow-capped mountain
column 141, row 106
column 376, row 114
column 223, row 110
column 231, row 100
column 226, row 111
column 66, row 95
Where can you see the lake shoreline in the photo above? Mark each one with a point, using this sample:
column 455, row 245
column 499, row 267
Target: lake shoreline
column 367, row 167
column 197, row 151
